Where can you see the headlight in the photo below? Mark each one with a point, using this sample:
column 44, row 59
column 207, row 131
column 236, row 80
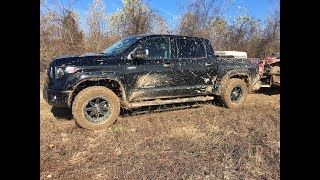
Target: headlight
column 61, row 71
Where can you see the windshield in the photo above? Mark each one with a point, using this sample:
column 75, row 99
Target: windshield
column 120, row 46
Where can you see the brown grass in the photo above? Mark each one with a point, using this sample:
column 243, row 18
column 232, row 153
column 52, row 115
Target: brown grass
column 209, row 142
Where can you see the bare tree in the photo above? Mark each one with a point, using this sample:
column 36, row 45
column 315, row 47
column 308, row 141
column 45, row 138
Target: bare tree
column 272, row 32
column 97, row 21
column 59, row 30
column 201, row 15
column 72, row 36
column 160, row 25
column 135, row 17
column 205, row 18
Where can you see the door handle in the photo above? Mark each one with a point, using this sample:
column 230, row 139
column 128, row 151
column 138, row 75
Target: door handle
column 167, row 64
column 208, row 64
column 131, row 67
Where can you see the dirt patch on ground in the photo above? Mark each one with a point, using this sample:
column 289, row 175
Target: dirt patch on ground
column 209, row 142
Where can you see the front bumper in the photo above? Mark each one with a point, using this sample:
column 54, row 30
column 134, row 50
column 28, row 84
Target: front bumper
column 57, row 98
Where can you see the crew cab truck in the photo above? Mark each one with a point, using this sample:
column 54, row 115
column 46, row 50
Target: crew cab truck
column 146, row 70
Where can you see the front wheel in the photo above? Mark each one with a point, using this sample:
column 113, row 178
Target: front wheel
column 234, row 93
column 96, row 107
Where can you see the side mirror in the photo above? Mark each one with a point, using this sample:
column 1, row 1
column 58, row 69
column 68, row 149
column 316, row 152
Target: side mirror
column 140, row 54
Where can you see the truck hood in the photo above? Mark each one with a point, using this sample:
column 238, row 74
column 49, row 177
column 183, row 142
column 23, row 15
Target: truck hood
column 78, row 55
column 88, row 59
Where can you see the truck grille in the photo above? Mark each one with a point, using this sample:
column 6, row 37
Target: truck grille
column 51, row 72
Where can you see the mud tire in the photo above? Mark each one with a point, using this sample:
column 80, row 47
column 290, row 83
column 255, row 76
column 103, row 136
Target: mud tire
column 231, row 86
column 85, row 96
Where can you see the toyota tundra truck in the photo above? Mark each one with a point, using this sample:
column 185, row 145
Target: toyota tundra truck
column 146, row 70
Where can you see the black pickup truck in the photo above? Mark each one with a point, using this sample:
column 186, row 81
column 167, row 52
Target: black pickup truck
column 146, row 70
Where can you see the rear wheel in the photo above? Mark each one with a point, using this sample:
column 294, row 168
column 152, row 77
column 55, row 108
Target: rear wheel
column 96, row 107
column 234, row 93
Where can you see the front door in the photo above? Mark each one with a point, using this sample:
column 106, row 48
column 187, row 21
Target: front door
column 152, row 77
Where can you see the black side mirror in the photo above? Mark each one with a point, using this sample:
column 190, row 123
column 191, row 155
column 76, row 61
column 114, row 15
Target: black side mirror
column 140, row 54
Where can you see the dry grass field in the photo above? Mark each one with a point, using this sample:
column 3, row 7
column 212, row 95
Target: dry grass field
column 204, row 142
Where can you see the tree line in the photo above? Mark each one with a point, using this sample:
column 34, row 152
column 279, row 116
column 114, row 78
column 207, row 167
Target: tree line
column 61, row 33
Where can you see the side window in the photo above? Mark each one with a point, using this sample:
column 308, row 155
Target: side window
column 209, row 49
column 158, row 48
column 189, row 48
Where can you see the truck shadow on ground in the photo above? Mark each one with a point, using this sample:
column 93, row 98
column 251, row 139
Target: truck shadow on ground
column 65, row 114
column 269, row 90
column 62, row 113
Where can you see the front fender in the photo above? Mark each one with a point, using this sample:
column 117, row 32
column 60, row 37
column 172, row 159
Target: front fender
column 77, row 79
column 96, row 76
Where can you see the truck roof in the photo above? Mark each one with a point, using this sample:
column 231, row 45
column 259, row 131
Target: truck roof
column 169, row 35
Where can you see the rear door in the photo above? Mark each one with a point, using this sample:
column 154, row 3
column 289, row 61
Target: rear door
column 193, row 66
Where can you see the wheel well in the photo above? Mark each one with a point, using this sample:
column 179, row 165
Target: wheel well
column 245, row 78
column 111, row 84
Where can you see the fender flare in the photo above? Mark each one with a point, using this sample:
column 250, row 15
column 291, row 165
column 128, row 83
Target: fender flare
column 97, row 77
column 231, row 73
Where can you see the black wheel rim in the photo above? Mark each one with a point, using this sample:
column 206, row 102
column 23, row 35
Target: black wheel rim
column 97, row 110
column 236, row 94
